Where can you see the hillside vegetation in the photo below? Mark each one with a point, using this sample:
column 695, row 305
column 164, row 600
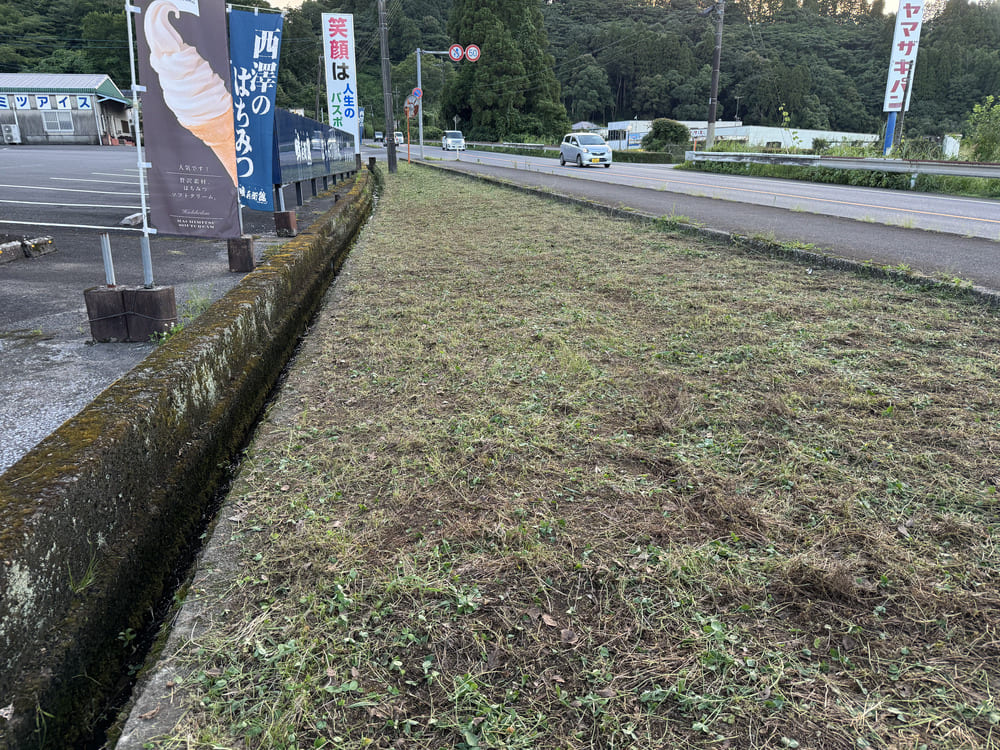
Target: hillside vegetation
column 824, row 62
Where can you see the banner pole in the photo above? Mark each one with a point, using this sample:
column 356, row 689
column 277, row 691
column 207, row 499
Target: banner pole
column 147, row 258
column 890, row 130
column 109, row 265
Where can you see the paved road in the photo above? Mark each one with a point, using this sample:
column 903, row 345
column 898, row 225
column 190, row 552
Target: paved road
column 975, row 217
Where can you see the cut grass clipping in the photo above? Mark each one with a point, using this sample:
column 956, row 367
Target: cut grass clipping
column 544, row 479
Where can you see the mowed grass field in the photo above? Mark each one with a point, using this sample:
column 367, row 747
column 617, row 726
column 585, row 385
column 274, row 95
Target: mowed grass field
column 544, row 479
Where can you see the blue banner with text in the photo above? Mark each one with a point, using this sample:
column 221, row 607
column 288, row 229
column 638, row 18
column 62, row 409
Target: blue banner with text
column 254, row 50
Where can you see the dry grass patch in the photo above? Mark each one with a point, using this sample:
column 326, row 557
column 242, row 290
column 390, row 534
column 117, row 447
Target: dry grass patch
column 542, row 479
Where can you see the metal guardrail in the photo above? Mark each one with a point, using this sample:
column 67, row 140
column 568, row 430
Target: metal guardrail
column 907, row 166
column 538, row 146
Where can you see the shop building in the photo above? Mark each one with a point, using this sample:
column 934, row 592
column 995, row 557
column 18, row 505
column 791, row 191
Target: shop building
column 63, row 108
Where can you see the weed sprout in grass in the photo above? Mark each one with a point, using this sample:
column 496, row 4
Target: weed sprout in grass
column 197, row 302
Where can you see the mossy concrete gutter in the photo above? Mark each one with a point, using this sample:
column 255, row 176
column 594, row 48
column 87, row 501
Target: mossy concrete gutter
column 96, row 519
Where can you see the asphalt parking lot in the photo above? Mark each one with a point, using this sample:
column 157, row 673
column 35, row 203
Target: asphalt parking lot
column 50, row 367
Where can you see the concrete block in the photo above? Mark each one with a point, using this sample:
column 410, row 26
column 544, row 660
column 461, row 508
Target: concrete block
column 38, row 246
column 10, row 251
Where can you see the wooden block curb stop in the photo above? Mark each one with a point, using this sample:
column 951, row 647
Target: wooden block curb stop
column 240, row 254
column 285, row 223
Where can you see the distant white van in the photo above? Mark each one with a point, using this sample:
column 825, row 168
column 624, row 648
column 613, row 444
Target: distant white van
column 453, row 140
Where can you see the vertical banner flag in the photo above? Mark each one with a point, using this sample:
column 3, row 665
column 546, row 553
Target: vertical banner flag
column 341, row 75
column 187, row 113
column 254, row 48
column 906, row 39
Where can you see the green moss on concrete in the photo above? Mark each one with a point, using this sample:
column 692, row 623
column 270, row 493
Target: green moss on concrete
column 123, row 486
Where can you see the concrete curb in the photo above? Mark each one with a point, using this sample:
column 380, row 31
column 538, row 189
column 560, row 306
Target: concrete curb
column 25, row 248
column 757, row 245
column 95, row 520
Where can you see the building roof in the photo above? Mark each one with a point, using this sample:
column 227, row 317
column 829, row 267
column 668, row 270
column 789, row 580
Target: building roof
column 62, row 83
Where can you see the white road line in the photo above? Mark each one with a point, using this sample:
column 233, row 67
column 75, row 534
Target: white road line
column 70, row 205
column 61, row 190
column 112, row 182
column 78, row 226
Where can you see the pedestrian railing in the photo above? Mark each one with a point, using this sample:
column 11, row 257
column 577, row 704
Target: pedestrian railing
column 906, row 166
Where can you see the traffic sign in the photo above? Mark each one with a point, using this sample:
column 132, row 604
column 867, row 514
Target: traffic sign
column 418, row 93
column 472, row 53
column 456, row 52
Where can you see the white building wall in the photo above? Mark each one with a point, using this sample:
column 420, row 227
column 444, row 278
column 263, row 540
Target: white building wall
column 754, row 135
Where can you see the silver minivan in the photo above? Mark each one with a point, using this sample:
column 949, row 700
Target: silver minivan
column 583, row 149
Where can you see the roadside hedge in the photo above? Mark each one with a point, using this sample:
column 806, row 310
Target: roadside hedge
column 925, row 183
column 552, row 152
column 647, row 157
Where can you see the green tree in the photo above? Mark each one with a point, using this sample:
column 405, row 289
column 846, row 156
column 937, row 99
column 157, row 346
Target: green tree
column 663, row 133
column 64, row 61
column 589, row 95
column 512, row 89
column 690, row 99
column 106, row 45
column 984, row 130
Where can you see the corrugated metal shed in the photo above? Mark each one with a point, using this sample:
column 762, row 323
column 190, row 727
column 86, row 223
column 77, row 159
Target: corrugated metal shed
column 62, row 83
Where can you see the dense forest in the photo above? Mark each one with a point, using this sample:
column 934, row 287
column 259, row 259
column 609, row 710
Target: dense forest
column 805, row 63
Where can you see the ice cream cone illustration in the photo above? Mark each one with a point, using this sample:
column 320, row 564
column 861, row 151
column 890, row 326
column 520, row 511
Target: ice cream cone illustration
column 191, row 89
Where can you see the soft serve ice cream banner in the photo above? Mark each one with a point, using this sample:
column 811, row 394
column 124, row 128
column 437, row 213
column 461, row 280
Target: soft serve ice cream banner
column 187, row 115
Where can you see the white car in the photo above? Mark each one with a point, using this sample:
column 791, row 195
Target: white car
column 453, row 140
column 583, row 149
column 399, row 137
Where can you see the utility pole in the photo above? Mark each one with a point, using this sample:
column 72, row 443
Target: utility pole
column 390, row 141
column 420, row 107
column 713, row 100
